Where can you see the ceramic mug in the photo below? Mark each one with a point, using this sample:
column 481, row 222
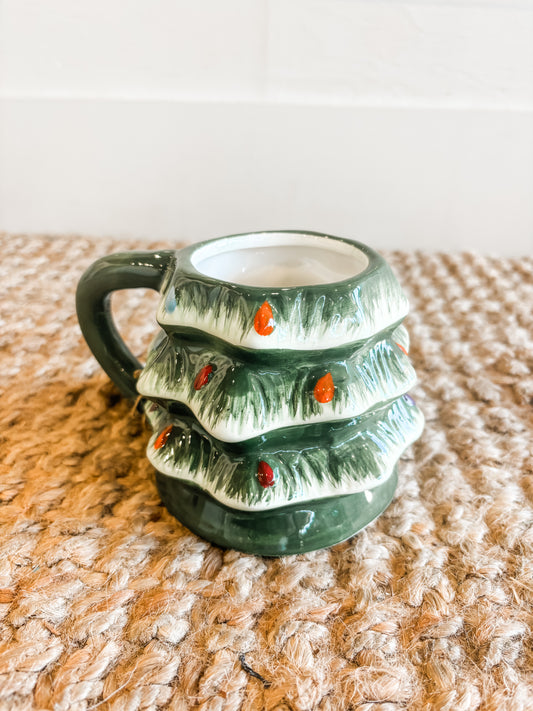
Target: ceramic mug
column 276, row 387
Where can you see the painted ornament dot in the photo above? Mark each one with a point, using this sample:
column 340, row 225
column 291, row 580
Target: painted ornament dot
column 163, row 437
column 265, row 475
column 203, row 377
column 325, row 389
column 264, row 320
column 402, row 348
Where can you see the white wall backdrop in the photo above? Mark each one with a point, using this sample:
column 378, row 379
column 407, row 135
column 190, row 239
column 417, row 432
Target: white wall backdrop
column 404, row 124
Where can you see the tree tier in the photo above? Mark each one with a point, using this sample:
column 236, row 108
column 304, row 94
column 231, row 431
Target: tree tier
column 284, row 467
column 293, row 318
column 235, row 399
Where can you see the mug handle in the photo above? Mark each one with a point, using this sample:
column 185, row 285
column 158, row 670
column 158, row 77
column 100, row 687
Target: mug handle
column 124, row 270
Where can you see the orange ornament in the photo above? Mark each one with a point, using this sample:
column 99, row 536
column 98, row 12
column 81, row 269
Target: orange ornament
column 402, row 348
column 264, row 320
column 162, row 439
column 325, row 389
column 203, row 377
column 265, row 475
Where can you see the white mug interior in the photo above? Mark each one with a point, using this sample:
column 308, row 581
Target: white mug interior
column 279, row 259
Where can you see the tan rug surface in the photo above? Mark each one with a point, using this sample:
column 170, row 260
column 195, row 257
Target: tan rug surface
column 107, row 602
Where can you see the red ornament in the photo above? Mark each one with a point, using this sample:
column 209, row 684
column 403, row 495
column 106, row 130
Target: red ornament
column 325, row 389
column 265, row 475
column 402, row 348
column 203, row 377
column 264, row 320
column 163, row 437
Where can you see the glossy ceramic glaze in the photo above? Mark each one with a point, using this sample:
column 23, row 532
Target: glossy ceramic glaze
column 279, row 531
column 275, row 387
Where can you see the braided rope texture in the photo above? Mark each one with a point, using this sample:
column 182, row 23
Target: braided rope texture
column 107, row 602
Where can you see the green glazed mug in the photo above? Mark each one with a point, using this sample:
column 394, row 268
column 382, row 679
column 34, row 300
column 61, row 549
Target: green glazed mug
column 275, row 388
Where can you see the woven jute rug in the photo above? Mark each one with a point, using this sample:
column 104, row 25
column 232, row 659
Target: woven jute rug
column 107, row 602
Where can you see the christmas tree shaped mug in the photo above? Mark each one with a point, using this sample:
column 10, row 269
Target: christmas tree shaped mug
column 276, row 387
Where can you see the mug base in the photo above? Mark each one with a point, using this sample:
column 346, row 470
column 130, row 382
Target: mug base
column 298, row 528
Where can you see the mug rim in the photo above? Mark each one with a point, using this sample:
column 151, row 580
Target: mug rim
column 187, row 262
